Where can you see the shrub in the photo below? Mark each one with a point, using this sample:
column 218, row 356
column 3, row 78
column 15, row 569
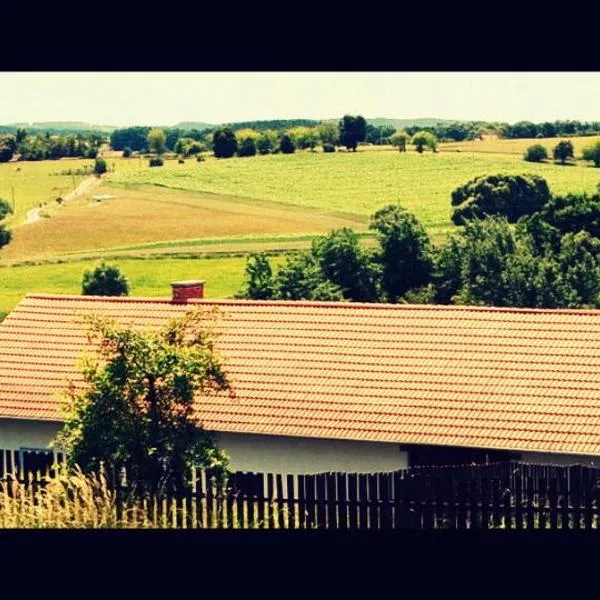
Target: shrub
column 104, row 280
column 200, row 158
column 328, row 148
column 536, row 153
column 592, row 153
column 181, row 161
column 156, row 161
column 91, row 153
column 99, row 166
column 126, row 152
column 247, row 147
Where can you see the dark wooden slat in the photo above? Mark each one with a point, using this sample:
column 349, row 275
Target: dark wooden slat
column 320, row 500
column 373, row 495
column 530, row 509
column 333, row 521
column 353, row 500
column 519, row 498
column 384, row 483
column 270, row 503
column 259, row 493
column 302, row 501
column 342, row 500
column 575, row 489
column 362, row 501
column 280, row 504
column 291, row 501
column 309, row 485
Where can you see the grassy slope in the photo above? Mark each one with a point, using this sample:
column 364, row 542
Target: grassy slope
column 224, row 277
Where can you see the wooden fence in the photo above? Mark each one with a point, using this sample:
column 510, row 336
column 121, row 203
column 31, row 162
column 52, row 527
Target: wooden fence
column 499, row 496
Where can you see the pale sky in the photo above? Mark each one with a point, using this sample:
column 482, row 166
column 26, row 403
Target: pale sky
column 154, row 98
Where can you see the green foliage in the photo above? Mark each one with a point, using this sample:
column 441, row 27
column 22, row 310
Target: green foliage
column 404, row 251
column 424, row 139
column 378, row 134
column 247, row 146
column 347, row 264
column 562, row 151
column 302, row 278
column 99, row 166
column 156, row 161
column 156, row 140
column 104, row 280
column 328, row 133
column 286, row 143
column 267, row 142
column 304, row 137
column 328, row 147
column 399, row 140
column 224, row 143
column 8, row 147
column 258, row 278
column 126, row 152
column 353, row 129
column 592, row 153
column 510, row 195
column 137, row 410
column 536, row 153
column 5, row 234
column 491, row 263
column 135, row 138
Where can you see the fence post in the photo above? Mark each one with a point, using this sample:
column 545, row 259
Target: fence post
column 292, row 498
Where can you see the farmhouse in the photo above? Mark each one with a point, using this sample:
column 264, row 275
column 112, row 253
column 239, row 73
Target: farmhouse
column 334, row 386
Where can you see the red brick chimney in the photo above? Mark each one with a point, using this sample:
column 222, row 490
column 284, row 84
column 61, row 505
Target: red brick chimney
column 187, row 290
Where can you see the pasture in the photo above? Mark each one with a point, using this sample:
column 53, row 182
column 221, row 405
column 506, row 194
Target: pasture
column 151, row 278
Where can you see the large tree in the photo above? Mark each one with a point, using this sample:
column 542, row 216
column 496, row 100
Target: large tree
column 5, row 234
column 563, row 150
column 510, row 195
column 424, row 139
column 353, row 129
column 137, row 408
column 156, row 140
column 404, row 250
column 224, row 142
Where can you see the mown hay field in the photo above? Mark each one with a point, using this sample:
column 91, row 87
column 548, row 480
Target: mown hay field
column 143, row 217
column 151, row 278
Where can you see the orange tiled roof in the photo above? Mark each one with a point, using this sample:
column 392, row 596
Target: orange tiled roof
column 462, row 376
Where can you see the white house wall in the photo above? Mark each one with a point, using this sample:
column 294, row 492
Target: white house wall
column 296, row 455
column 20, row 433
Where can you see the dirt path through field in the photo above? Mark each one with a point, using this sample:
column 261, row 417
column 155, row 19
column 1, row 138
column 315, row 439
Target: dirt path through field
column 86, row 185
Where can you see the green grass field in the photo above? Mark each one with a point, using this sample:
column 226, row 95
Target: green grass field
column 224, row 277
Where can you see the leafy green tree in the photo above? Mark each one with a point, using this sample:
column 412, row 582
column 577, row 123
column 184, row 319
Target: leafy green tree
column 302, row 278
column 328, row 133
column 509, row 195
column 286, row 143
column 8, row 147
column 304, row 137
column 246, row 139
column 104, row 280
column 424, row 139
column 20, row 135
column 399, row 140
column 224, row 142
column 592, row 153
column 353, row 129
column 135, row 138
column 267, row 142
column 137, row 409
column 536, row 153
column 348, row 265
column 5, row 234
column 156, row 140
column 405, row 251
column 258, row 283
column 99, row 166
column 563, row 151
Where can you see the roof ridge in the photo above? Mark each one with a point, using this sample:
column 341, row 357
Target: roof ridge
column 317, row 304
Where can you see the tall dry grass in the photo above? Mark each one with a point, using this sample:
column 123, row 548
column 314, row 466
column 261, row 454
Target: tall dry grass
column 67, row 501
